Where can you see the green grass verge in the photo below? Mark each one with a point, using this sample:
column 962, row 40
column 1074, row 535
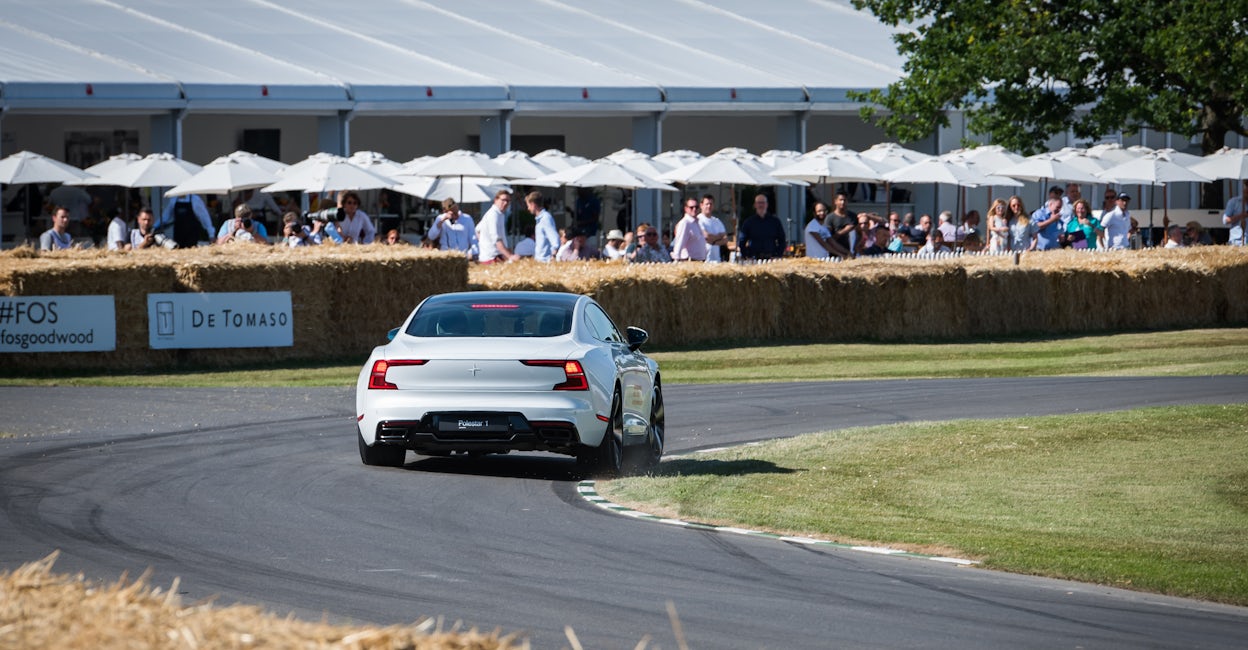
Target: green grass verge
column 1187, row 352
column 1153, row 499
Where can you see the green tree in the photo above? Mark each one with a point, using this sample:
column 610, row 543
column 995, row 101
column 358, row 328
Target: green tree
column 1023, row 71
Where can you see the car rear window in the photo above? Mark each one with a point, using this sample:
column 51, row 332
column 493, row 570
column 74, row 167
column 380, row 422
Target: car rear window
column 506, row 317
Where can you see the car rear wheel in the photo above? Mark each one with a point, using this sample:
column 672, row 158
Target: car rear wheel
column 607, row 459
column 658, row 430
column 381, row 455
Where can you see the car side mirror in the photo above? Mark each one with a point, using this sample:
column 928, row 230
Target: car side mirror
column 637, row 337
column 391, row 334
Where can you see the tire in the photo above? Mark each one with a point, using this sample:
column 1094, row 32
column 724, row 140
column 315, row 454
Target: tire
column 607, row 459
column 380, row 455
column 644, row 457
column 658, row 429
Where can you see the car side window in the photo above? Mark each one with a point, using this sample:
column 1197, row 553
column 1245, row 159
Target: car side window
column 601, row 326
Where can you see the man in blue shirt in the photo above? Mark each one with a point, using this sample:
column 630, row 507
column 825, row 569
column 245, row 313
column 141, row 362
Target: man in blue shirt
column 1049, row 222
column 546, row 236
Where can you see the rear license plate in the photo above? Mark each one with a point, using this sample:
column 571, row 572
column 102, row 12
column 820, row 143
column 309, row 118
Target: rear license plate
column 471, row 423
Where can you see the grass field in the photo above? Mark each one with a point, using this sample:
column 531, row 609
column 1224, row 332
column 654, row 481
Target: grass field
column 1151, row 499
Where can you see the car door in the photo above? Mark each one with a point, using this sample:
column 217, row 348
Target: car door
column 630, row 367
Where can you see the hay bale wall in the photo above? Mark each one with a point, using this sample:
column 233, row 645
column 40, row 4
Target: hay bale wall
column 905, row 299
column 343, row 299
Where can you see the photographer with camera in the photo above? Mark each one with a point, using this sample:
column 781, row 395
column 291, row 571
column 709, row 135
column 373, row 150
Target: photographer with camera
column 242, row 228
column 296, row 234
column 145, row 236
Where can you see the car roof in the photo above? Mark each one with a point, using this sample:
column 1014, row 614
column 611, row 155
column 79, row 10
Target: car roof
column 555, row 297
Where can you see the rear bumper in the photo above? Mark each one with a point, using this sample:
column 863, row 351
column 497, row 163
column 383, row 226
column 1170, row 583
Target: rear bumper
column 483, row 423
column 431, row 435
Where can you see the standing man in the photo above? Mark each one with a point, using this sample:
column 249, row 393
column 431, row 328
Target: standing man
column 1117, row 225
column 841, row 222
column 57, row 238
column 454, row 230
column 546, row 235
column 492, row 231
column 761, row 236
column 713, row 228
column 187, row 214
column 1235, row 214
column 819, row 242
column 1049, row 222
column 118, row 233
column 690, row 242
column 1073, row 195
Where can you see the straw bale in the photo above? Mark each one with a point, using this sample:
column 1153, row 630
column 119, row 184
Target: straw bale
column 40, row 609
column 343, row 298
column 84, row 273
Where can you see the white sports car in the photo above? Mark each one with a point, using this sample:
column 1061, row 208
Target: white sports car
column 493, row 372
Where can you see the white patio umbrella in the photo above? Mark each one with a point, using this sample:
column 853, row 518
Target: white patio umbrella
column 987, row 158
column 776, row 158
column 1152, row 169
column 29, row 167
column 678, row 157
column 890, row 156
column 103, row 167
column 947, row 171
column 461, row 163
column 223, row 176
column 26, row 167
column 1114, row 153
column 256, row 160
column 1081, row 159
column 327, row 173
column 375, row 162
column 473, row 189
column 519, row 164
column 1225, row 163
column 604, row 173
column 410, row 167
column 640, row 163
column 1044, row 167
column 830, row 165
column 154, row 170
column 557, row 160
column 894, row 156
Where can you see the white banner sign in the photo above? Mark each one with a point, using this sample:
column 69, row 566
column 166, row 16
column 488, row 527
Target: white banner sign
column 57, row 324
column 258, row 319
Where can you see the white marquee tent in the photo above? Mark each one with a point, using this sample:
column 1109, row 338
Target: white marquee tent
column 438, row 55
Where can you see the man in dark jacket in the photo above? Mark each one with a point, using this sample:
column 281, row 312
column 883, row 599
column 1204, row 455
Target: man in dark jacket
column 761, row 236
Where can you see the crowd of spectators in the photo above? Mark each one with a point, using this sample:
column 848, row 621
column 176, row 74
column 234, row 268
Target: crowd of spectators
column 1065, row 220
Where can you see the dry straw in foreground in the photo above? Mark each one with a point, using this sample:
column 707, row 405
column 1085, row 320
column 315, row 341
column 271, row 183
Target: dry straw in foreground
column 39, row 609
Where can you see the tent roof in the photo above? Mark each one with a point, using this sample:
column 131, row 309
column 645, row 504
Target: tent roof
column 438, row 55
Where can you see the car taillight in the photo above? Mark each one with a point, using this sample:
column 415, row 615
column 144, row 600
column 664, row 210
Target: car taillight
column 377, row 377
column 573, row 373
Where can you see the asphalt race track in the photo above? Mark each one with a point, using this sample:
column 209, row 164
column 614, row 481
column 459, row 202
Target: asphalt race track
column 259, row 497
